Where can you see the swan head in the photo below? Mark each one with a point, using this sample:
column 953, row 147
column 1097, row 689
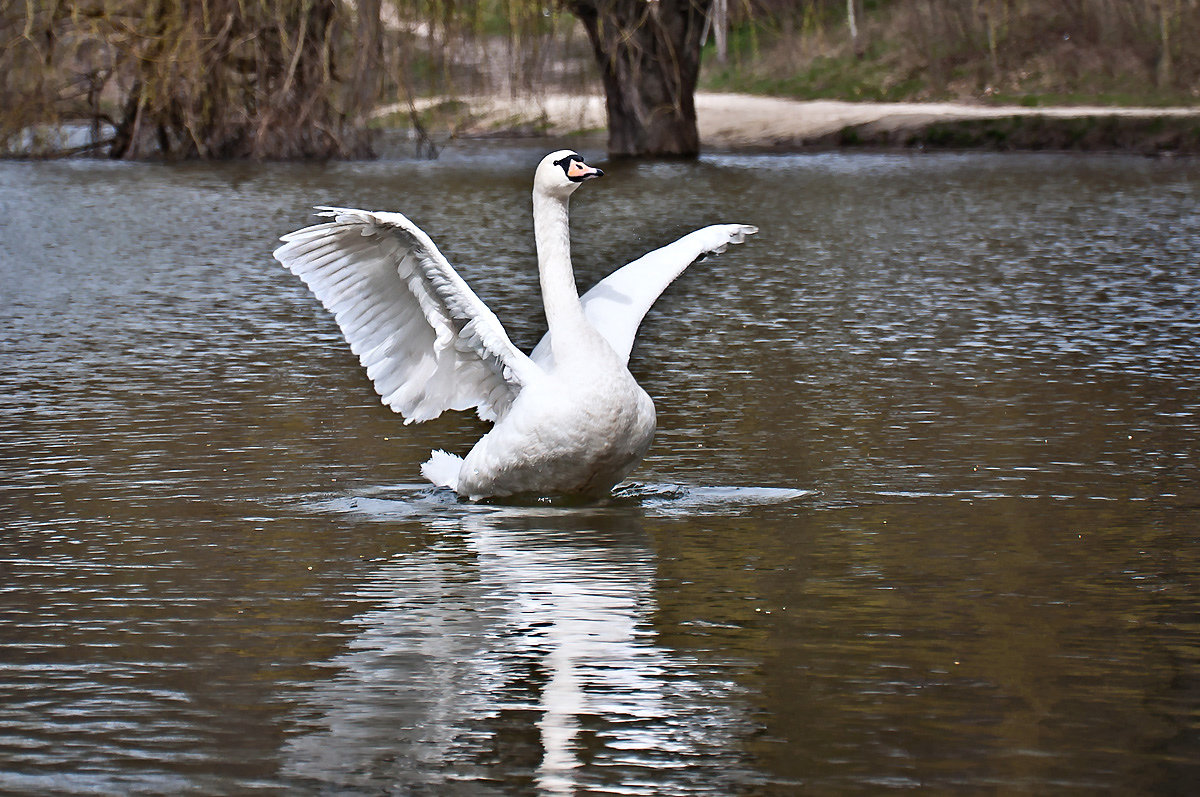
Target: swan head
column 561, row 172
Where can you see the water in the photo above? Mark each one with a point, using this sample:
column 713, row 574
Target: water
column 921, row 513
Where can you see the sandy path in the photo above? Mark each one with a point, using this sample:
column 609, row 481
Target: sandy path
column 739, row 120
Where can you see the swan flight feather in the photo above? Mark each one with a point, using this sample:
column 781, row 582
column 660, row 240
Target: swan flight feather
column 428, row 343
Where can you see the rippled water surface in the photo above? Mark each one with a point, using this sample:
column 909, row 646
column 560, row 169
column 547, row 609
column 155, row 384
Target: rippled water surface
column 922, row 511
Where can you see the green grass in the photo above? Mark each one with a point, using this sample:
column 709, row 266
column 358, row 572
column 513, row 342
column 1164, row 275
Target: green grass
column 888, row 72
column 443, row 114
column 825, row 77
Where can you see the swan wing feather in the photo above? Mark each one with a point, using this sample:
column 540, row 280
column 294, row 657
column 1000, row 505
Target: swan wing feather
column 618, row 303
column 428, row 343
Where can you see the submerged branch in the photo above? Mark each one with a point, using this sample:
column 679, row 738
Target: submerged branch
column 72, row 152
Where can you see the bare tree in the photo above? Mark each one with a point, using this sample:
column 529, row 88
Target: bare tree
column 852, row 24
column 648, row 52
column 194, row 78
column 719, row 23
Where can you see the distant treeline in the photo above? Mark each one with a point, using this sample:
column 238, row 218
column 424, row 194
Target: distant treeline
column 243, row 78
column 1121, row 51
column 301, row 78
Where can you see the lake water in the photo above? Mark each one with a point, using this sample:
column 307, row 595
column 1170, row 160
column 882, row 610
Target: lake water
column 922, row 512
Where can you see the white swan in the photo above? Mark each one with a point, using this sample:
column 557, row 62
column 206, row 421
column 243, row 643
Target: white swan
column 569, row 418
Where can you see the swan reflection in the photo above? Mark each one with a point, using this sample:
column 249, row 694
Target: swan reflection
column 518, row 651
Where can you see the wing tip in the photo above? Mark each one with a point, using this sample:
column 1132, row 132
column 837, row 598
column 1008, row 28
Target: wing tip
column 342, row 215
column 740, row 231
column 722, row 235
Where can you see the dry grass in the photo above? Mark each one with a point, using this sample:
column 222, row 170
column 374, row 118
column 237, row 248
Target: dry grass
column 183, row 78
column 1032, row 51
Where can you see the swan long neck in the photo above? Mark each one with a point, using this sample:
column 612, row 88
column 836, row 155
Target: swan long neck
column 560, row 297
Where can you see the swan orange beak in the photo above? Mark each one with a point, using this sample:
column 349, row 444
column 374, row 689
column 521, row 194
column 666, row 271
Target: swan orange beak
column 579, row 171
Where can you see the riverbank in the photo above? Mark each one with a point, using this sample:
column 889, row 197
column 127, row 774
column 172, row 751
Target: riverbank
column 731, row 121
column 746, row 122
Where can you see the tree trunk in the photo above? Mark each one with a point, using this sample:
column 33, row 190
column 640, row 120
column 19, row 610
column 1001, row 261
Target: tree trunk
column 1164, row 58
column 648, row 52
column 720, row 18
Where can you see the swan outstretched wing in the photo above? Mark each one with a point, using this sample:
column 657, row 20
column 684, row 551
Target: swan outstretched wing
column 619, row 302
column 427, row 341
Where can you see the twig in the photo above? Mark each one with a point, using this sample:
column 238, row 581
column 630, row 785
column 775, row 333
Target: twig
column 72, row 151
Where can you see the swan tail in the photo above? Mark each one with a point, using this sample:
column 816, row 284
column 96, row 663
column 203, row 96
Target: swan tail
column 442, row 469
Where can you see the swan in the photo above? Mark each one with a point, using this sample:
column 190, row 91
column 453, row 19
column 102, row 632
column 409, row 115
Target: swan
column 569, row 419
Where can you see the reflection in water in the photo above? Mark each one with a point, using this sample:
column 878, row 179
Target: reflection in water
column 520, row 643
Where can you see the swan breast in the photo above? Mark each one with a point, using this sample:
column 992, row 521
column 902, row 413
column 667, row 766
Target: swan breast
column 580, row 435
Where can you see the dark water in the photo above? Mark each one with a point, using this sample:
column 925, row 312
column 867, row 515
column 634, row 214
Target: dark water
column 922, row 512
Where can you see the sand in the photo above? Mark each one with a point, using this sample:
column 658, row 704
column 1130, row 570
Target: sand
column 735, row 121
column 732, row 120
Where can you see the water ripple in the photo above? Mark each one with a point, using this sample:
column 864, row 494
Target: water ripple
column 920, row 509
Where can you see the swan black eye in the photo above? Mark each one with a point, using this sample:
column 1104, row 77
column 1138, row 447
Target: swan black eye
column 565, row 163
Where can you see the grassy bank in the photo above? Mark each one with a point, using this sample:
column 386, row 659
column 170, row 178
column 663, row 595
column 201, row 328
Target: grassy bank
column 1025, row 52
column 1145, row 136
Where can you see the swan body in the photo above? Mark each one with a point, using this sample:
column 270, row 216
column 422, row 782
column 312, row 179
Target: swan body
column 569, row 418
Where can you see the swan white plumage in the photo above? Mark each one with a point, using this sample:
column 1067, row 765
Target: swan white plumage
column 569, row 417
